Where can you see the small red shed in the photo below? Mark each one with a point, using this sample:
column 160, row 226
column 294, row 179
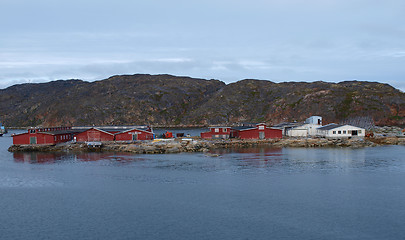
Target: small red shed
column 133, row 135
column 94, row 135
column 217, row 133
column 45, row 136
column 258, row 131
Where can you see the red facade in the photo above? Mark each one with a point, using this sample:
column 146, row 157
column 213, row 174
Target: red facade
column 133, row 134
column 94, row 135
column 44, row 136
column 57, row 135
column 260, row 131
column 217, row 132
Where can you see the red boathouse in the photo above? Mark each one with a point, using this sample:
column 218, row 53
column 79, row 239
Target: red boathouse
column 94, row 135
column 133, row 135
column 54, row 135
column 217, row 133
column 45, row 136
column 258, row 131
column 113, row 133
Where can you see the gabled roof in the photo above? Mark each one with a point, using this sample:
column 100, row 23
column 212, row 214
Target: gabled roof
column 334, row 125
column 330, row 126
column 98, row 129
column 136, row 129
column 111, row 128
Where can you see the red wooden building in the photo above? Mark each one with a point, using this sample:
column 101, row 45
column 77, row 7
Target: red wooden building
column 56, row 135
column 217, row 133
column 134, row 134
column 117, row 133
column 258, row 131
column 46, row 136
column 94, row 135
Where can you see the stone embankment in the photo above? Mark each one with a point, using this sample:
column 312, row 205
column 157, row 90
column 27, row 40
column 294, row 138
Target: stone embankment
column 200, row 145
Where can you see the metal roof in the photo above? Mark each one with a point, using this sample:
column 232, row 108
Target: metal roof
column 243, row 128
column 115, row 128
column 286, row 124
column 136, row 129
column 330, row 126
column 68, row 131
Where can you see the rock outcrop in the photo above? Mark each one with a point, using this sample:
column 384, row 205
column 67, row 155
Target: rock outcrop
column 199, row 145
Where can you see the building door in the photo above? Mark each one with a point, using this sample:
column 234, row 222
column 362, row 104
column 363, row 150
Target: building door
column 354, row 133
column 33, row 140
column 261, row 135
column 134, row 137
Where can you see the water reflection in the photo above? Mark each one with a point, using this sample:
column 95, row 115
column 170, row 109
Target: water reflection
column 256, row 157
column 48, row 158
column 265, row 151
column 35, row 157
column 234, row 159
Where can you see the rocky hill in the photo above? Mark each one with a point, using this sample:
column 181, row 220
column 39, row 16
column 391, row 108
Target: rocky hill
column 171, row 100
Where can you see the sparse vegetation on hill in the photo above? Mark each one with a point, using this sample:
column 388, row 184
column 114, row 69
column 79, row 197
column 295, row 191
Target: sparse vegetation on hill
column 171, row 100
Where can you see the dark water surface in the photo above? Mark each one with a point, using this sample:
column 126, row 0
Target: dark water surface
column 261, row 193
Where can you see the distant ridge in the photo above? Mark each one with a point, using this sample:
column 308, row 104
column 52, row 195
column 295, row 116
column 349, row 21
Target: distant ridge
column 170, row 100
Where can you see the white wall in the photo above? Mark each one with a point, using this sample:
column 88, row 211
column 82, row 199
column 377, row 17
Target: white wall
column 343, row 131
column 297, row 132
column 304, row 130
column 314, row 120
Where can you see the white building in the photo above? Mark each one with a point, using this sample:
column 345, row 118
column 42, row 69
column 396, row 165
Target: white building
column 285, row 127
column 309, row 128
column 305, row 130
column 334, row 130
column 316, row 120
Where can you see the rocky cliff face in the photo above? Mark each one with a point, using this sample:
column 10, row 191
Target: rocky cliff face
column 265, row 101
column 170, row 100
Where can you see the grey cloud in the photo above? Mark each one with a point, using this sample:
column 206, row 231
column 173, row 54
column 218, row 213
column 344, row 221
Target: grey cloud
column 229, row 40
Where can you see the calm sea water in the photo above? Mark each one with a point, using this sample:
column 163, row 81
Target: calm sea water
column 261, row 193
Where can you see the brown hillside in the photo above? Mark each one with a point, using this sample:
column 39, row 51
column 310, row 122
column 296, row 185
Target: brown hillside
column 171, row 100
column 265, row 101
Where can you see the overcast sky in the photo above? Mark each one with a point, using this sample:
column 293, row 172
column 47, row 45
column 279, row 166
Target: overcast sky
column 229, row 40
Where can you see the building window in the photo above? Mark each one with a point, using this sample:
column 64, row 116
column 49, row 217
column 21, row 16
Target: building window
column 359, row 131
column 261, row 127
column 339, row 132
column 344, row 132
column 216, row 129
column 225, row 129
column 334, row 132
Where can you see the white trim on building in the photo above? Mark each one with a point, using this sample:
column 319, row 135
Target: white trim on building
column 339, row 131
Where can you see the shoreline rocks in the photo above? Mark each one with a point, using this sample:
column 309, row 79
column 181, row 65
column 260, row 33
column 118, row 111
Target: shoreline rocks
column 202, row 145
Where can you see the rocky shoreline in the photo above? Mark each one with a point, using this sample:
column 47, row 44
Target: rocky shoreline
column 201, row 145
